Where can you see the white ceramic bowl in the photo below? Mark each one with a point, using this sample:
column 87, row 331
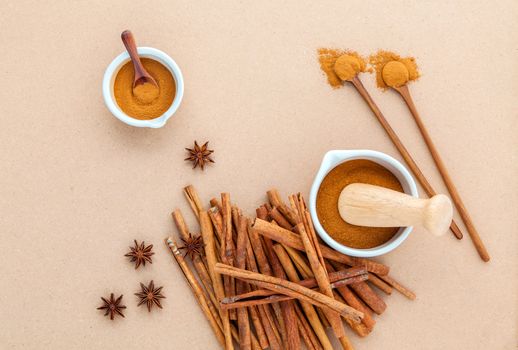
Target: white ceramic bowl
column 109, row 79
column 330, row 161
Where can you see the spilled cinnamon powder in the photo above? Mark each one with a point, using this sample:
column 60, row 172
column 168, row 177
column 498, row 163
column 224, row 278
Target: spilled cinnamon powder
column 340, row 65
column 392, row 70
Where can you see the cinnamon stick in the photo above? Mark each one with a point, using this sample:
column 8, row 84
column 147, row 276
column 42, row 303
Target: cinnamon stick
column 309, row 310
column 264, row 267
column 242, row 300
column 305, row 219
column 291, row 289
column 346, row 343
column 369, row 297
column 194, row 200
column 236, row 215
column 235, row 334
column 366, row 293
column 399, row 287
column 323, row 318
column 293, row 240
column 307, row 333
column 242, row 313
column 215, row 203
column 262, row 213
column 301, row 263
column 274, row 198
column 255, row 315
column 263, row 296
column 287, row 307
column 196, row 289
column 217, row 222
column 353, row 301
column 276, row 201
column 227, row 247
column 320, row 274
column 198, row 264
column 260, row 255
column 276, row 215
column 271, row 329
column 336, row 279
column 380, row 284
column 210, row 252
column 264, row 328
column 361, row 329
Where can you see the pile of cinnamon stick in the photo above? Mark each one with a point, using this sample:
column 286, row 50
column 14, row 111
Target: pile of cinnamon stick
column 269, row 282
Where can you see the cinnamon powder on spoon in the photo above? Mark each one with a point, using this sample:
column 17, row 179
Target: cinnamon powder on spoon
column 393, row 70
column 340, row 65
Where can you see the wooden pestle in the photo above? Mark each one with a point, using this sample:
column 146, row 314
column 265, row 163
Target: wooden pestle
column 375, row 206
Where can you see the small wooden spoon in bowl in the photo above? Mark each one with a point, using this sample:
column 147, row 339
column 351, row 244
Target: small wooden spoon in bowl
column 145, row 87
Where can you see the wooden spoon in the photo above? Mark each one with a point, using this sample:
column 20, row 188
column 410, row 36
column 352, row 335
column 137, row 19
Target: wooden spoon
column 141, row 74
column 399, row 145
column 375, row 206
column 463, row 212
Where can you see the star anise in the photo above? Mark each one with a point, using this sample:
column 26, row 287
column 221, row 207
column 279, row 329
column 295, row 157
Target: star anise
column 150, row 295
column 200, row 155
column 113, row 307
column 193, row 246
column 140, row 254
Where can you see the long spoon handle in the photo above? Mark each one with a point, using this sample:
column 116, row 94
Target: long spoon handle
column 463, row 212
column 401, row 148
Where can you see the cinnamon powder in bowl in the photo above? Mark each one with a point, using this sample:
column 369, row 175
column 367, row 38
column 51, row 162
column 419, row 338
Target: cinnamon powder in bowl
column 353, row 171
column 139, row 103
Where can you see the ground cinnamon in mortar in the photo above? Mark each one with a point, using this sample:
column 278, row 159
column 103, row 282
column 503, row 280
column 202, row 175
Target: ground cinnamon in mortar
column 144, row 102
column 353, row 171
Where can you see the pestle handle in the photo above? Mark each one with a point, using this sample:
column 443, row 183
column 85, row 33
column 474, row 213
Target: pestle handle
column 369, row 205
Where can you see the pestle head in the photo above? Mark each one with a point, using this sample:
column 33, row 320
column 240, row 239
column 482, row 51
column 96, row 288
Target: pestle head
column 438, row 215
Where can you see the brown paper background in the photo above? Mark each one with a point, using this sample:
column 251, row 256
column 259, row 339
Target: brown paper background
column 77, row 186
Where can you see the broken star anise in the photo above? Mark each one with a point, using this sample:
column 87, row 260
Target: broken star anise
column 193, row 246
column 200, row 155
column 140, row 254
column 113, row 307
column 150, row 295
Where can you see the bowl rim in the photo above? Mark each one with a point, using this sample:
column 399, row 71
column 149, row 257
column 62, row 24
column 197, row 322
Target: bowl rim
column 113, row 68
column 330, row 160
